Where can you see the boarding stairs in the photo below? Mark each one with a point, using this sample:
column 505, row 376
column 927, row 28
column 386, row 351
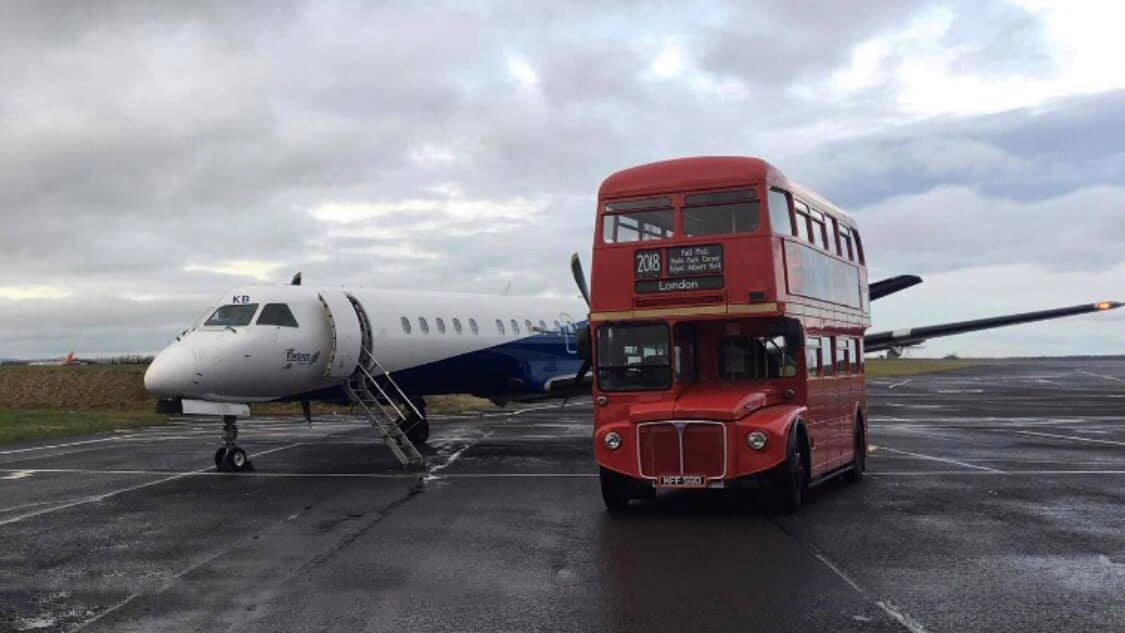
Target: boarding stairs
column 385, row 406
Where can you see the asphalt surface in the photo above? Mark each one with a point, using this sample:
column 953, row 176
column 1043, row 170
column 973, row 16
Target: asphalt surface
column 993, row 503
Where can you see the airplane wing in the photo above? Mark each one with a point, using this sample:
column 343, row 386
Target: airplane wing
column 912, row 336
column 882, row 288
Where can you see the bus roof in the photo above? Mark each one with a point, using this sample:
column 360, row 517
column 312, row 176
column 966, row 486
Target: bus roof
column 706, row 172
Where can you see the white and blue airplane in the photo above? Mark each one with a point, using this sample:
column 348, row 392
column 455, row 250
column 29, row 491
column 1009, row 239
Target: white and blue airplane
column 298, row 343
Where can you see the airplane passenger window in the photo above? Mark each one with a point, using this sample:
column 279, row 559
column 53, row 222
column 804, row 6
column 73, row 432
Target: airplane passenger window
column 277, row 314
column 515, row 327
column 440, row 325
column 473, row 326
column 406, row 325
column 528, row 326
column 233, row 315
column 422, row 325
column 499, row 326
column 456, row 325
column 543, row 325
column 558, row 327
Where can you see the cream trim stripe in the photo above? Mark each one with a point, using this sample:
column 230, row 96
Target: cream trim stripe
column 726, row 308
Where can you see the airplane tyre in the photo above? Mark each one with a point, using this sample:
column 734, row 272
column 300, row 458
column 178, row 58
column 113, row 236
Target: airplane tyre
column 615, row 490
column 790, row 480
column 236, row 461
column 859, row 461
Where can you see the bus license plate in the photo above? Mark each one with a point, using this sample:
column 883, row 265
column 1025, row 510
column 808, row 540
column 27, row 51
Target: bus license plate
column 682, row 481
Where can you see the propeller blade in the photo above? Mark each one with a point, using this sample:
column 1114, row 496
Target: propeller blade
column 579, row 277
column 296, row 280
column 307, row 410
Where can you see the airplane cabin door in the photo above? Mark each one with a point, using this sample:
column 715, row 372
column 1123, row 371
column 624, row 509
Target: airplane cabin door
column 345, row 334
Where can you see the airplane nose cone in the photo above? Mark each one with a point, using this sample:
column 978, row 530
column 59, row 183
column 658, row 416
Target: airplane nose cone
column 171, row 372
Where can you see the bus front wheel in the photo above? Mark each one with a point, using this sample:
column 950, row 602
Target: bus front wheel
column 859, row 459
column 791, row 480
column 616, row 491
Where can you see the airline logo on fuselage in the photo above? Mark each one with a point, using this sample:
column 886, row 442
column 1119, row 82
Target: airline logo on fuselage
column 305, row 358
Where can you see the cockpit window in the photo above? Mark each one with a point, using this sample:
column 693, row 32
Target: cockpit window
column 233, row 315
column 277, row 314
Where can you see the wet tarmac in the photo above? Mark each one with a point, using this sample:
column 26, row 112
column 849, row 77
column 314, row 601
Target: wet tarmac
column 993, row 502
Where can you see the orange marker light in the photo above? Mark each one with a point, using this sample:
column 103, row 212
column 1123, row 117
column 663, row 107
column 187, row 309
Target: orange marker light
column 1103, row 305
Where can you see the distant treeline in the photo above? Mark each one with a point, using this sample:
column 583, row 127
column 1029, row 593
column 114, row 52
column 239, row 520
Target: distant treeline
column 128, row 359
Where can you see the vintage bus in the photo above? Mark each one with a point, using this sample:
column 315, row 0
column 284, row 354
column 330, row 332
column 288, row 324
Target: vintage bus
column 727, row 311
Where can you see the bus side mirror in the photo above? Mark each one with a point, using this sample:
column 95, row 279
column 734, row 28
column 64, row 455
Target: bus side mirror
column 582, row 343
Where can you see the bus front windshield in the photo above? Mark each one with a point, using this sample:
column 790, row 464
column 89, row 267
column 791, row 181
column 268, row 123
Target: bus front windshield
column 634, row 357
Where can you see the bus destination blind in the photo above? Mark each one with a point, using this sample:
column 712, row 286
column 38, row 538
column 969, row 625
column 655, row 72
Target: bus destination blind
column 690, row 268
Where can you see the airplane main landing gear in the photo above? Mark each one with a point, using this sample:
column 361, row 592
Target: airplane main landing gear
column 230, row 458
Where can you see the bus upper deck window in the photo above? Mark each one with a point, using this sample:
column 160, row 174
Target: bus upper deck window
column 720, row 212
column 780, row 221
column 277, row 314
column 846, row 243
column 638, row 220
column 801, row 217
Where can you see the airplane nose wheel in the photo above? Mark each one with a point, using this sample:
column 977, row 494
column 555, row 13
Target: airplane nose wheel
column 230, row 458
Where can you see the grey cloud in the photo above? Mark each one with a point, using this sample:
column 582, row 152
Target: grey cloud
column 138, row 138
column 1025, row 154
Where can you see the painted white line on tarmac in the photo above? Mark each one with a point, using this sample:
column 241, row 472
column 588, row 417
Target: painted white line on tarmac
column 1090, row 373
column 899, row 384
column 16, row 451
column 945, row 460
column 997, row 473
column 905, row 620
column 513, row 475
column 896, row 614
column 208, row 473
column 114, row 493
column 1072, row 438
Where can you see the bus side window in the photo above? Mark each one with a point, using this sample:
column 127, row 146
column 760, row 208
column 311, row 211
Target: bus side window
column 858, row 247
column 818, row 235
column 846, row 244
column 834, row 237
column 802, row 219
column 842, row 347
column 812, row 356
column 780, row 220
column 857, row 366
column 826, row 354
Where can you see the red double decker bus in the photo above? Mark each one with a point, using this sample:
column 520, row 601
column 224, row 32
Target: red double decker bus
column 727, row 314
column 726, row 331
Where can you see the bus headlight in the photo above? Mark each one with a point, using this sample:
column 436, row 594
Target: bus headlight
column 756, row 440
column 612, row 441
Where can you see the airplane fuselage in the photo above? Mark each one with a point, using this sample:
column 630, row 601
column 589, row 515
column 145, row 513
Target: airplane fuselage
column 265, row 343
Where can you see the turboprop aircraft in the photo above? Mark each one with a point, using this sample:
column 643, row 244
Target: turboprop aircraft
column 380, row 350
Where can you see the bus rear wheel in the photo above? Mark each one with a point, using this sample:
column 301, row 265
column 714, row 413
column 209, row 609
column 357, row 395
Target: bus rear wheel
column 859, row 459
column 791, row 482
column 616, row 491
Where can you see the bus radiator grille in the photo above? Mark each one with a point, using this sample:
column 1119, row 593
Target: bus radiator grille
column 692, row 449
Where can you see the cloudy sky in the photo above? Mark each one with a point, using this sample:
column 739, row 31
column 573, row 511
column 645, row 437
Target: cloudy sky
column 154, row 154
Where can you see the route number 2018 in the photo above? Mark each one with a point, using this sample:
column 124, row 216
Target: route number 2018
column 648, row 264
